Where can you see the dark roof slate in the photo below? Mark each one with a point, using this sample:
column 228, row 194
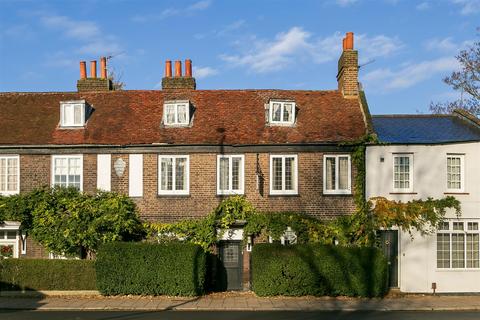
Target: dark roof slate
column 134, row 117
column 424, row 129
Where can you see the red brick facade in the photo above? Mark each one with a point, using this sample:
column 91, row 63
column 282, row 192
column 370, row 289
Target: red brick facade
column 36, row 171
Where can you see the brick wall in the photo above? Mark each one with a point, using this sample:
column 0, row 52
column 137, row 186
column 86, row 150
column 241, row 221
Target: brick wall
column 94, row 84
column 35, row 172
column 348, row 73
column 203, row 198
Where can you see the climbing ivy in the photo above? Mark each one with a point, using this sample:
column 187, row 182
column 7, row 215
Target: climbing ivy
column 357, row 229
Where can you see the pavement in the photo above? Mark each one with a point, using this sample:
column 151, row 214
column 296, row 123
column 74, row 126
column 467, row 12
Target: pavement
column 239, row 301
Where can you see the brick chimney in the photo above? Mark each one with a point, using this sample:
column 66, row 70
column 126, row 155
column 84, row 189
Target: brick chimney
column 179, row 81
column 93, row 83
column 347, row 76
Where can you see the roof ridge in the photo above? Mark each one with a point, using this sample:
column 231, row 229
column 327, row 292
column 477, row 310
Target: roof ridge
column 159, row 91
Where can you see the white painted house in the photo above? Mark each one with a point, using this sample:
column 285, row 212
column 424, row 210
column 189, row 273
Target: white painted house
column 431, row 156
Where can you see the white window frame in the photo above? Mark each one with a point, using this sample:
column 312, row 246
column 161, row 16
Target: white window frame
column 241, row 173
column 410, row 171
column 337, row 174
column 282, row 107
column 450, row 231
column 176, row 123
column 14, row 242
column 187, row 172
column 295, row 182
column 69, row 156
column 64, row 104
column 462, row 172
column 17, row 190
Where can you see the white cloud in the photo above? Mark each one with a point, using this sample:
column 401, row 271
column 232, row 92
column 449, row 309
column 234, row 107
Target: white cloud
column 423, row 6
column 92, row 40
column 345, row 3
column 171, row 12
column 204, row 72
column 409, row 75
column 200, row 5
column 468, row 6
column 273, row 55
column 446, row 44
column 297, row 44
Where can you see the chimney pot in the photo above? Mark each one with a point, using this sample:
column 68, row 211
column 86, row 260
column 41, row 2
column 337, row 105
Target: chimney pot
column 344, row 43
column 168, row 69
column 93, row 69
column 178, row 68
column 83, row 70
column 349, row 41
column 103, row 68
column 188, row 68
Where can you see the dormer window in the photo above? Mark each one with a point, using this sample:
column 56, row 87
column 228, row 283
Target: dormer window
column 176, row 113
column 72, row 113
column 281, row 112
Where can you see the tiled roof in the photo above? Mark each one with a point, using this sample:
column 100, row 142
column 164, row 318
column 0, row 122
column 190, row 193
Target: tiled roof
column 220, row 117
column 424, row 129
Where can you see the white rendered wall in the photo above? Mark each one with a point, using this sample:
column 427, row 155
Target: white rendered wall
column 104, row 172
column 135, row 175
column 417, row 257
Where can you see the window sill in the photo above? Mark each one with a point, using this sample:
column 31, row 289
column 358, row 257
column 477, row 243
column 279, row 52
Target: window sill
column 71, row 127
column 406, row 192
column 173, row 195
column 458, row 193
column 228, row 194
column 457, row 269
column 339, row 193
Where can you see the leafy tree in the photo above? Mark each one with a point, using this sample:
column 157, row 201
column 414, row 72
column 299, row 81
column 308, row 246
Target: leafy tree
column 466, row 81
column 66, row 221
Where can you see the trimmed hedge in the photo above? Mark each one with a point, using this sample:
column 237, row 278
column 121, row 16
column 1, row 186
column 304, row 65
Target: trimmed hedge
column 43, row 274
column 318, row 270
column 175, row 269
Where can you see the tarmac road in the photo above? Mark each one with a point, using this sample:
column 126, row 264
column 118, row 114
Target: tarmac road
column 238, row 315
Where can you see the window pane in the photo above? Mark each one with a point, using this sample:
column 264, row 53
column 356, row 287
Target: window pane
column 458, row 226
column 68, row 116
column 78, row 114
column 236, row 167
column 343, row 173
column 330, row 173
column 473, row 226
column 182, row 113
column 11, row 177
column 11, row 235
column 401, row 172
column 180, row 174
column 454, row 173
column 224, row 174
column 170, row 113
column 473, row 250
column 443, row 250
column 289, row 173
column 287, row 112
column 3, row 174
column 458, row 250
column 276, row 112
column 277, row 173
column 166, row 176
column 443, row 226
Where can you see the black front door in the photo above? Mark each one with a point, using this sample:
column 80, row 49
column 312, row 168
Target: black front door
column 231, row 257
column 389, row 245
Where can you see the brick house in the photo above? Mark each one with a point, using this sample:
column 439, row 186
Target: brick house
column 179, row 151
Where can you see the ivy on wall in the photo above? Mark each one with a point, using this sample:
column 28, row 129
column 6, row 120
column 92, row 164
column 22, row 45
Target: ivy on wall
column 358, row 229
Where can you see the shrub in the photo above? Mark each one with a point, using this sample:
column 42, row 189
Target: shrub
column 43, row 274
column 312, row 269
column 176, row 269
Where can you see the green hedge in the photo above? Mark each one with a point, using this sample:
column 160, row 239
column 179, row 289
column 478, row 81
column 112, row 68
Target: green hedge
column 318, row 270
column 176, row 269
column 43, row 274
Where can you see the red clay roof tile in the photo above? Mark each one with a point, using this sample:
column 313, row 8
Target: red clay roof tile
column 221, row 117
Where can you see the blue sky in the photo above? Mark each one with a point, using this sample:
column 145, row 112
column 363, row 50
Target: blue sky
column 242, row 44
